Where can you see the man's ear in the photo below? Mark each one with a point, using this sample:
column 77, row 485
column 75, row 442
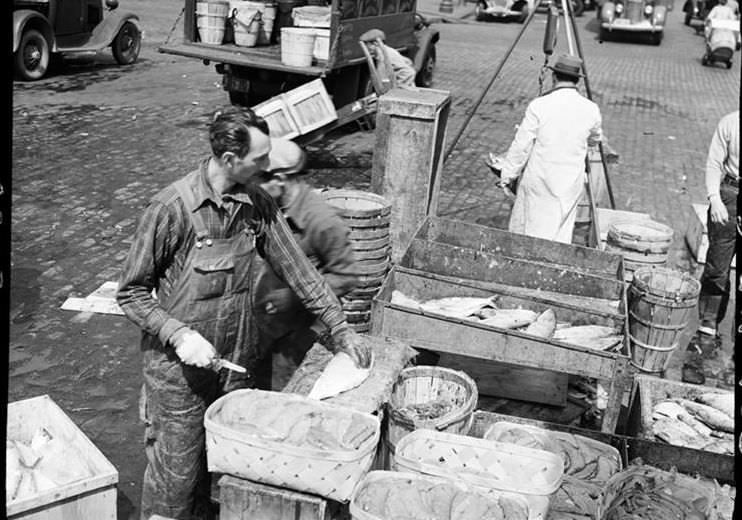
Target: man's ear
column 228, row 157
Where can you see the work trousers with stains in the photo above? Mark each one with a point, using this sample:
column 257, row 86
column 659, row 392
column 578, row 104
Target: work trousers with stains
column 715, row 285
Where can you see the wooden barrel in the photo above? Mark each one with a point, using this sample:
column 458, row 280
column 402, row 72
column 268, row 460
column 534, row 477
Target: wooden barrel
column 425, row 385
column 643, row 243
column 660, row 303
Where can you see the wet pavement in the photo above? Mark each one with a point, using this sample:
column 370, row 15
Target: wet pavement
column 93, row 141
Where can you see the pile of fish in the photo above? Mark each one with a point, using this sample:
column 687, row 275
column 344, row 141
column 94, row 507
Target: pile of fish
column 542, row 325
column 41, row 465
column 705, row 424
column 587, row 464
column 646, row 493
column 414, row 499
column 426, row 411
column 298, row 423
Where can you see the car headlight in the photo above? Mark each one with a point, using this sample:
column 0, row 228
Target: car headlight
column 648, row 9
column 619, row 8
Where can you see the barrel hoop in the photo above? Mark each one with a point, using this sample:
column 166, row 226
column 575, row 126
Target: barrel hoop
column 633, row 341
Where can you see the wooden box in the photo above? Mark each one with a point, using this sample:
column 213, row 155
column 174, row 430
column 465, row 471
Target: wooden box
column 276, row 113
column 696, row 236
column 92, row 498
column 658, row 454
column 462, row 249
column 310, row 106
column 468, row 338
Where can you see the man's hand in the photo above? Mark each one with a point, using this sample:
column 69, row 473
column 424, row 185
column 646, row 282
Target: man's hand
column 718, row 211
column 192, row 348
column 352, row 344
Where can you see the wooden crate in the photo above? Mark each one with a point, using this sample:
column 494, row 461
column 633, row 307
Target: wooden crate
column 696, row 236
column 658, row 454
column 462, row 249
column 646, row 392
column 92, row 498
column 468, row 338
column 280, row 121
column 310, row 106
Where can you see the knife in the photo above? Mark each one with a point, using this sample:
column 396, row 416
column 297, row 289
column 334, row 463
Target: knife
column 219, row 363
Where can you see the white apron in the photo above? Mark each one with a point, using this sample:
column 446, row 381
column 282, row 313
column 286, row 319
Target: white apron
column 551, row 143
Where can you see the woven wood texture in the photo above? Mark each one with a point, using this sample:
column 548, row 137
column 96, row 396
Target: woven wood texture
column 331, row 473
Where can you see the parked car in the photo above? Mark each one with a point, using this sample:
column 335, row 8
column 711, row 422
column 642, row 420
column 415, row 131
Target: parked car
column 42, row 28
column 633, row 16
column 697, row 10
column 504, row 9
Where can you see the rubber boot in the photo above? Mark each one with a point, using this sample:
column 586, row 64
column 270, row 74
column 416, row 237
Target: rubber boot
column 692, row 371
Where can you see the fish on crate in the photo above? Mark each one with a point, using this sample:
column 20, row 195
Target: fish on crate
column 724, row 402
column 509, row 318
column 543, row 326
column 340, row 375
column 709, row 415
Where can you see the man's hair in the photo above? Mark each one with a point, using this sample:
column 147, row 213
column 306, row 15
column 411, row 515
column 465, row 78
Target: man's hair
column 565, row 77
column 229, row 130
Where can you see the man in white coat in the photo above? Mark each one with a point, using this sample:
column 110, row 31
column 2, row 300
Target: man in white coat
column 548, row 154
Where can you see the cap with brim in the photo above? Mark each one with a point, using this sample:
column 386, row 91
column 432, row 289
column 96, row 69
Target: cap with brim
column 568, row 65
column 286, row 157
column 372, row 35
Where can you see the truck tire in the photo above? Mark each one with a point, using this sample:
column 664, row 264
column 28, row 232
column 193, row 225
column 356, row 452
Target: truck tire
column 126, row 44
column 32, row 57
column 239, row 98
column 425, row 76
column 578, row 7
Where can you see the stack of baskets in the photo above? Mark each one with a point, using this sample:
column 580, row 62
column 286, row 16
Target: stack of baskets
column 211, row 20
column 367, row 216
column 642, row 243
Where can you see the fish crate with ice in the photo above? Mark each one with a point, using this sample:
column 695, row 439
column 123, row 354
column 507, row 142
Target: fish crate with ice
column 492, row 340
column 53, row 470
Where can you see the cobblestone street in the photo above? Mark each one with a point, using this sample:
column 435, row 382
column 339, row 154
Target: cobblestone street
column 93, row 142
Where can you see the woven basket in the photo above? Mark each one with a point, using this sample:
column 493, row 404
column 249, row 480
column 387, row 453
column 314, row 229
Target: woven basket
column 425, row 481
column 485, row 465
column 358, row 204
column 422, row 384
column 548, row 438
column 646, row 236
column 328, row 473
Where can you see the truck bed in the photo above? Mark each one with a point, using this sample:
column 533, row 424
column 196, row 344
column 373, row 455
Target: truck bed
column 261, row 57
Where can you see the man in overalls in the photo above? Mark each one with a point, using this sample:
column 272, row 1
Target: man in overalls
column 285, row 325
column 194, row 246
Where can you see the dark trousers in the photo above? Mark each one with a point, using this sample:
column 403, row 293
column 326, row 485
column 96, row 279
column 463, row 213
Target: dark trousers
column 715, row 285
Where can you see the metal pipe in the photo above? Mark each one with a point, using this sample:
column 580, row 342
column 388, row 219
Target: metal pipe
column 567, row 10
column 589, row 93
column 489, row 85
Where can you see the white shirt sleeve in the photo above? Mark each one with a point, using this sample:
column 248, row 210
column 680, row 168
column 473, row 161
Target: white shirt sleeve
column 520, row 149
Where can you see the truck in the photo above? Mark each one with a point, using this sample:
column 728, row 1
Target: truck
column 251, row 75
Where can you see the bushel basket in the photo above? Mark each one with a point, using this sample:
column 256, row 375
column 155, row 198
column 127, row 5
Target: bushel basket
column 290, row 441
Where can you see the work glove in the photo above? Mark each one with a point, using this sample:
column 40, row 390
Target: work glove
column 346, row 340
column 192, row 348
column 718, row 211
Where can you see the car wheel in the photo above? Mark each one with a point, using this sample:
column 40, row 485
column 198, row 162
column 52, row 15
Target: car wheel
column 687, row 19
column 425, row 76
column 604, row 35
column 126, row 44
column 657, row 38
column 729, row 64
column 479, row 13
column 578, row 7
column 32, row 56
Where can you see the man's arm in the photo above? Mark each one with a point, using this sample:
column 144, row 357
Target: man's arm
column 287, row 259
column 151, row 252
column 596, row 132
column 718, row 151
column 337, row 258
column 520, row 149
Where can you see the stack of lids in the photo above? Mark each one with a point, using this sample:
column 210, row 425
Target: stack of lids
column 367, row 216
column 643, row 243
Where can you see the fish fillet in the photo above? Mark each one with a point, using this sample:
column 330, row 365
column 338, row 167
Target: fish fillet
column 677, row 433
column 724, row 402
column 511, row 318
column 399, row 298
column 456, row 306
column 604, row 343
column 340, row 375
column 544, row 325
column 583, row 332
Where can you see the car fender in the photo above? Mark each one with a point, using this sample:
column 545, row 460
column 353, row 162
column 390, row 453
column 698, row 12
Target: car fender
column 658, row 17
column 426, row 38
column 27, row 18
column 608, row 12
column 106, row 31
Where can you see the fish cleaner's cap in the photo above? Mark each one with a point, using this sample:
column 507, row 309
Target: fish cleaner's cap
column 286, row 157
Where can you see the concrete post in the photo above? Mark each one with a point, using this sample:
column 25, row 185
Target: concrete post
column 410, row 138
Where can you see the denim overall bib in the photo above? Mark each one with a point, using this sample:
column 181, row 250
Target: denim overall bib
column 211, row 297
